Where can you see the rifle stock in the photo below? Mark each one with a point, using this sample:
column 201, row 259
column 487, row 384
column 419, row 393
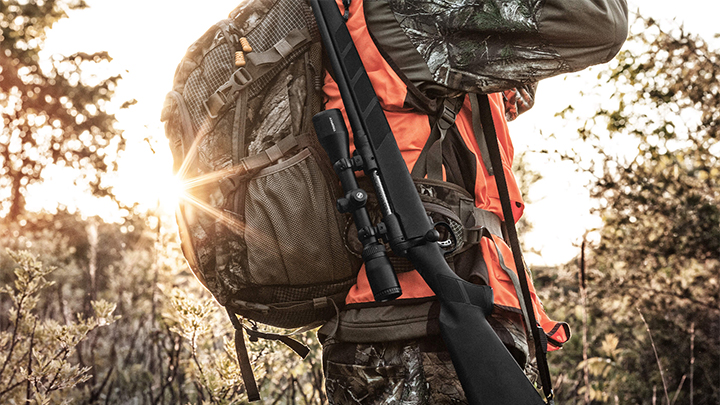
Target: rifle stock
column 487, row 371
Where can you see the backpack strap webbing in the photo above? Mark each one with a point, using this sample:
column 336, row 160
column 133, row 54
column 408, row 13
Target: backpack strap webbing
column 252, row 164
column 479, row 134
column 244, row 358
column 477, row 221
column 257, row 65
column 513, row 277
column 430, row 160
column 488, row 125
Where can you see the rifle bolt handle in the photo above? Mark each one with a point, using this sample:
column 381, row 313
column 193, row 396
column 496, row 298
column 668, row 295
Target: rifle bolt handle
column 432, row 235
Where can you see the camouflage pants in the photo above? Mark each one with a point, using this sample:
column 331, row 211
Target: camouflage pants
column 408, row 372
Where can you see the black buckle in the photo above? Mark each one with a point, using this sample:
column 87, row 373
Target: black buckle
column 447, row 118
column 219, row 94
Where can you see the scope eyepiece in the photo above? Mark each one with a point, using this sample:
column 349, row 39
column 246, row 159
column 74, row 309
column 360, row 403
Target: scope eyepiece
column 380, row 273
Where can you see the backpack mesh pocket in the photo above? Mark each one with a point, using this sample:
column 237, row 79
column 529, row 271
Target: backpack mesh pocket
column 293, row 232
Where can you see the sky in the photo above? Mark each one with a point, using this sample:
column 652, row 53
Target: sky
column 560, row 205
column 147, row 39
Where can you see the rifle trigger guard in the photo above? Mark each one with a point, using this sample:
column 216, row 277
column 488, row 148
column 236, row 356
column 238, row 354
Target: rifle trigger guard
column 450, row 245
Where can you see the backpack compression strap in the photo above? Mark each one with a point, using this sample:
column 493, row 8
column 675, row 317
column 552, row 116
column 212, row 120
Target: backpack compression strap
column 429, row 161
column 258, row 64
column 244, row 359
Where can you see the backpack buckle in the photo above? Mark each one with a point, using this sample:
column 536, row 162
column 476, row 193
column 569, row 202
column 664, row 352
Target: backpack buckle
column 238, row 81
column 240, row 78
column 215, row 103
column 448, row 116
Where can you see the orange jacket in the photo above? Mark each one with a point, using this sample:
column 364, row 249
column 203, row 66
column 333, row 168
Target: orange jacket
column 411, row 130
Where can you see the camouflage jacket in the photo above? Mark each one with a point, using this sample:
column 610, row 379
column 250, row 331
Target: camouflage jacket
column 487, row 46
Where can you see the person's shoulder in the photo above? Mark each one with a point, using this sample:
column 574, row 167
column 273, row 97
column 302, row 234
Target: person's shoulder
column 584, row 32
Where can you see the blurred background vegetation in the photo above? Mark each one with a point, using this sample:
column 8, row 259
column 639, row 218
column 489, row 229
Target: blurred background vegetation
column 108, row 312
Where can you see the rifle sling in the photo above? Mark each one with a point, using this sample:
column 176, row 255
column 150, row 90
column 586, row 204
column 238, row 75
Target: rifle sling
column 488, row 125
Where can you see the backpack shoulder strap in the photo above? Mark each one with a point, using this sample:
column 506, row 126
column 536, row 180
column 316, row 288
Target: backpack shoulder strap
column 430, row 160
column 479, row 134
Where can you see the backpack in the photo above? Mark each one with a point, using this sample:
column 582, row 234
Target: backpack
column 258, row 223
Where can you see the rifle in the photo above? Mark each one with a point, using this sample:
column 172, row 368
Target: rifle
column 487, row 371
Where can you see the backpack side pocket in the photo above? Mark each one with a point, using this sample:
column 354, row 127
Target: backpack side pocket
column 292, row 232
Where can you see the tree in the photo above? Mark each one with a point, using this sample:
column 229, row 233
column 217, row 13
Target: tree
column 653, row 302
column 53, row 110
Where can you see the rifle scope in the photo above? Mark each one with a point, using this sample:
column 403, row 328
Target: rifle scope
column 335, row 139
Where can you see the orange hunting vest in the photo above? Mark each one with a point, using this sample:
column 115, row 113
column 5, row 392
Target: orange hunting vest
column 411, row 130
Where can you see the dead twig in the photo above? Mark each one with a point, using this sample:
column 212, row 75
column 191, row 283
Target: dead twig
column 657, row 358
column 692, row 359
column 677, row 392
column 583, row 300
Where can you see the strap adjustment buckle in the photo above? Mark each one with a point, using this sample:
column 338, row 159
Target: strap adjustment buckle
column 447, row 118
column 238, row 81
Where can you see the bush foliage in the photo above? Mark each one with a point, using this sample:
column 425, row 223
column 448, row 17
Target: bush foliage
column 650, row 310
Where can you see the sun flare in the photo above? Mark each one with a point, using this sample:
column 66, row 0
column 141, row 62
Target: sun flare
column 171, row 192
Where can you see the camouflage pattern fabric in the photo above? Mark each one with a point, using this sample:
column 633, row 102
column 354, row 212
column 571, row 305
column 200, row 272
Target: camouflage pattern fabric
column 408, row 372
column 488, row 46
column 402, row 372
column 464, row 42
